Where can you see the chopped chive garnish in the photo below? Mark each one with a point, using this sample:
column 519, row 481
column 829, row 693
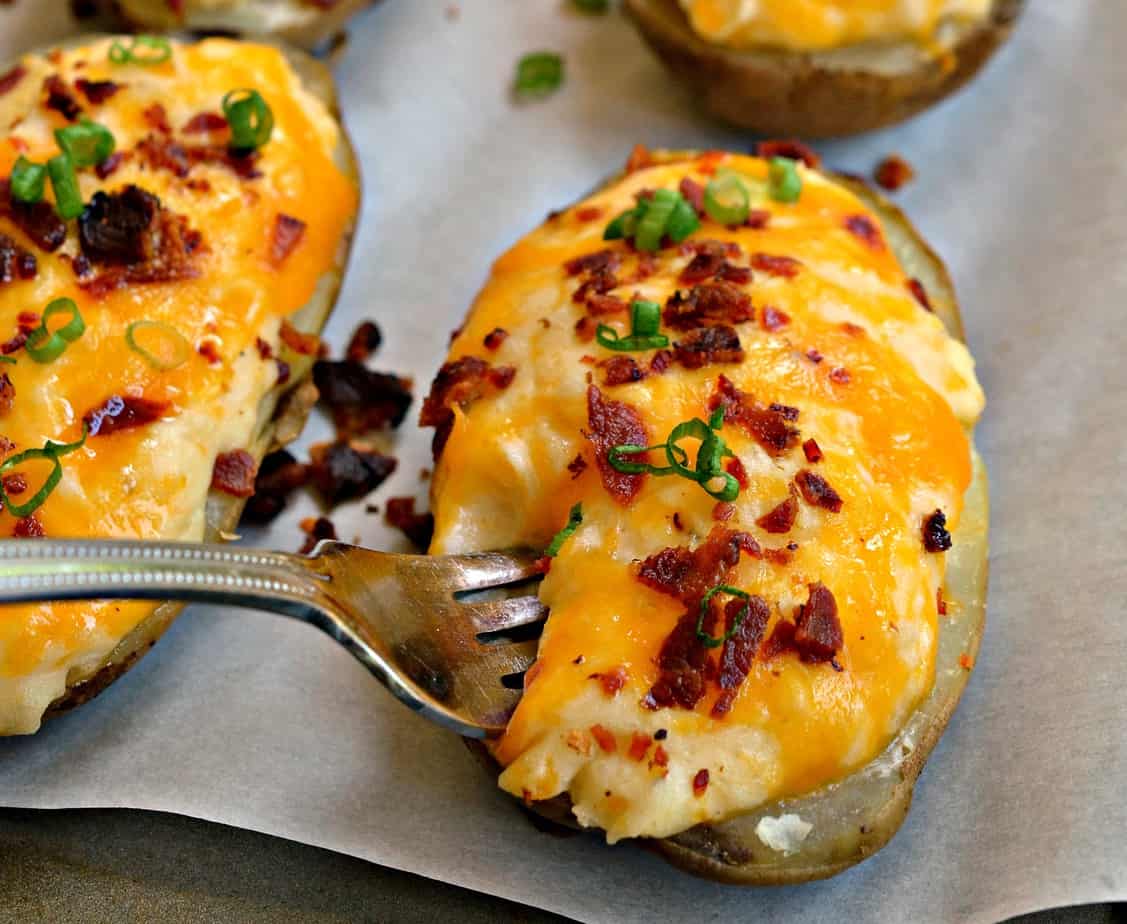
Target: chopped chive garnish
column 87, row 143
column 784, row 183
column 64, row 181
column 574, row 518
column 28, row 181
column 8, row 359
column 250, row 118
column 44, row 345
column 645, row 322
column 726, row 199
column 146, row 50
column 710, row 641
column 539, row 74
column 707, row 471
column 665, row 214
column 50, row 451
column 161, row 345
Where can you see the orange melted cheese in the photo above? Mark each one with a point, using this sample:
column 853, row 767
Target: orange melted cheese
column 896, row 448
column 818, row 25
column 152, row 482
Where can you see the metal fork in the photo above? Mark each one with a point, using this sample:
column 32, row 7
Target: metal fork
column 421, row 624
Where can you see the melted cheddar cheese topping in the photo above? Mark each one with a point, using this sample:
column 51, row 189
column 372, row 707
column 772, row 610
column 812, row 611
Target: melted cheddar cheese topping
column 820, row 25
column 152, row 481
column 893, row 432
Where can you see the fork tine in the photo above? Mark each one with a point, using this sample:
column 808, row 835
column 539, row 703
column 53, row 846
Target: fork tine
column 487, row 569
column 496, row 615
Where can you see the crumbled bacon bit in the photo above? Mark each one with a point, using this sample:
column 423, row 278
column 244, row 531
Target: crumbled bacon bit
column 723, row 511
column 205, row 123
column 7, row 394
column 700, row 783
column 279, row 475
column 839, row 375
column 495, row 338
column 123, row 413
column 769, row 426
column 660, row 758
column 614, row 423
column 156, row 117
column 11, row 79
column 589, row 213
column 966, row 662
column 817, row 492
column 780, row 519
column 757, row 219
column 772, row 318
column 639, row 746
column 97, row 91
column 604, row 738
column 735, row 468
column 209, row 351
column 936, row 537
column 639, row 158
column 265, row 351
column 316, row 530
column 817, row 634
column 791, row 150
column 300, row 342
column 31, row 528
column 611, row 681
column 661, row 362
column 285, row 237
column 711, row 259
column 601, row 305
column 585, row 329
column 361, row 400
column 14, row 484
column 776, row 264
column 601, row 261
column 780, row 641
column 418, row 527
column 706, row 345
column 893, row 172
column 343, row 471
column 15, row 262
column 716, row 302
column 61, row 99
column 814, row 356
column 234, row 473
column 621, row 370
column 577, row 466
column 365, row 340
column 677, row 524
column 693, row 193
column 740, row 649
column 812, row 451
column 920, row 293
column 863, row 228
column 108, row 167
column 38, row 220
column 940, row 603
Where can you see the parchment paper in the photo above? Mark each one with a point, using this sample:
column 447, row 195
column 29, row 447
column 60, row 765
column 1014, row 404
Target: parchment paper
column 252, row 720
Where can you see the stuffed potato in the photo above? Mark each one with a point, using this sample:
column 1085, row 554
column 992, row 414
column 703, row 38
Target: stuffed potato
column 305, row 23
column 174, row 225
column 756, row 631
column 820, row 68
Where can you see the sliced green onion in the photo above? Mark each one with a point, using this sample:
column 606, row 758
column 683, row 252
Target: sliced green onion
column 28, row 181
column 726, row 199
column 651, row 227
column 784, row 183
column 146, row 50
column 50, row 451
column 8, row 359
column 250, row 118
column 87, row 143
column 64, row 181
column 574, row 518
column 167, row 348
column 683, row 222
column 539, row 74
column 622, row 225
column 710, row 641
column 44, row 345
column 645, row 322
column 592, row 6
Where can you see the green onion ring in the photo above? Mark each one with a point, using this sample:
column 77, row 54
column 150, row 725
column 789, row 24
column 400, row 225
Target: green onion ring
column 785, row 185
column 87, row 143
column 51, row 450
column 683, row 222
column 181, row 348
column 44, row 345
column 120, row 53
column 574, row 518
column 250, row 117
column 28, row 180
column 726, row 199
column 64, row 181
column 710, row 641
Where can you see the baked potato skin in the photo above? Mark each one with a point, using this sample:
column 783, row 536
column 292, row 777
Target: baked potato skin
column 781, row 93
column 302, row 23
column 854, row 817
column 281, row 414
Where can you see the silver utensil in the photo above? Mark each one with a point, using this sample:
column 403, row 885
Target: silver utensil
column 444, row 634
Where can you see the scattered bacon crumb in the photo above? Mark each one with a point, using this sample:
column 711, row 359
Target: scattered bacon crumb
column 234, row 473
column 893, row 172
column 577, row 466
column 812, row 451
column 814, row 356
column 205, row 123
column 61, row 99
column 700, row 783
column 739, row 650
column 11, row 79
column 495, row 338
column 769, row 426
column 123, row 413
column 723, row 511
column 279, row 475
column 818, row 635
column 639, row 746
column 660, row 758
column 621, row 370
column 418, row 527
column 285, row 237
column 614, row 423
column 776, row 264
column 611, row 681
column 97, row 91
column 936, row 537
column 316, row 529
column 360, row 399
column 716, row 302
column 839, row 375
column 791, row 150
column 703, row 346
column 109, row 166
column 209, row 351
column 735, row 468
column 817, row 492
column 863, row 228
column 693, row 193
column 940, row 603
column 30, row 528
column 345, row 470
column 772, row 318
column 639, row 158
column 917, row 289
column 757, row 219
column 604, row 738
column 965, row 661
column 589, row 213
column 14, row 484
column 781, row 518
column 677, row 524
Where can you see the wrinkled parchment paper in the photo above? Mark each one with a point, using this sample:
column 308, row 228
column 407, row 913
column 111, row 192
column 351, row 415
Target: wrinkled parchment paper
column 255, row 721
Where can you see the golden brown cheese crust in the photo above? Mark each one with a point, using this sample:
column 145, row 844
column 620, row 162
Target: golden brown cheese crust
column 825, row 323
column 258, row 238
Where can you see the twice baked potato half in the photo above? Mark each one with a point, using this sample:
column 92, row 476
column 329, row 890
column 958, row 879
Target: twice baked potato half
column 823, row 70
column 308, row 24
column 175, row 220
column 741, row 429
